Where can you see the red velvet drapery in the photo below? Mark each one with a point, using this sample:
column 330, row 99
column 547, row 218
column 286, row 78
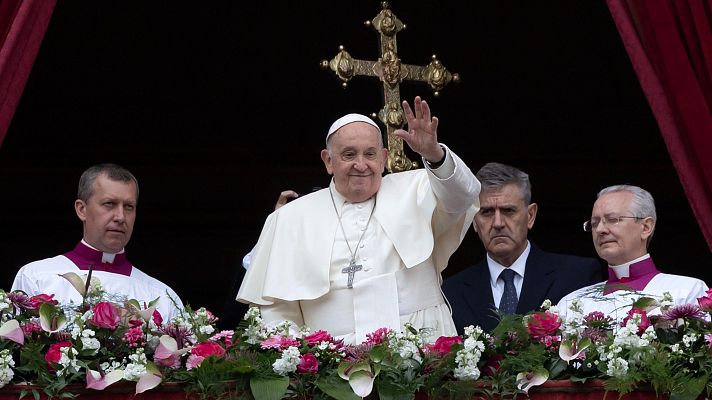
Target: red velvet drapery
column 22, row 26
column 669, row 43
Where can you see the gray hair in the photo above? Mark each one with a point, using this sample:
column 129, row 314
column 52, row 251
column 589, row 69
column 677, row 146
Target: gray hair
column 112, row 171
column 642, row 204
column 494, row 176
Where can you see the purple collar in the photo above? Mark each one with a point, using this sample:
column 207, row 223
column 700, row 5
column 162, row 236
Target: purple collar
column 641, row 273
column 84, row 257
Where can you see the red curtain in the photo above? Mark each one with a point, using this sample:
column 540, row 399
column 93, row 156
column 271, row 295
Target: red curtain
column 22, row 26
column 669, row 43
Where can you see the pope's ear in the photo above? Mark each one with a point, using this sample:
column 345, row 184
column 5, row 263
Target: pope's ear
column 326, row 158
column 81, row 209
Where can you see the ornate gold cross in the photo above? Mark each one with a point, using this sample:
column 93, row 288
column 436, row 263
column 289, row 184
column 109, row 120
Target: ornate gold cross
column 391, row 72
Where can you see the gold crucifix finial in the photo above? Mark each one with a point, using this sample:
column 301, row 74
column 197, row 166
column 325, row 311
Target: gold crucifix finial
column 391, row 72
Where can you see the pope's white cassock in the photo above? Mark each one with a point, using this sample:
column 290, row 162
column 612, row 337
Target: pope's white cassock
column 629, row 282
column 119, row 279
column 419, row 220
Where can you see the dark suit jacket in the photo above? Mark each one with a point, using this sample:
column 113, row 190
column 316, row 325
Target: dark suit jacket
column 546, row 276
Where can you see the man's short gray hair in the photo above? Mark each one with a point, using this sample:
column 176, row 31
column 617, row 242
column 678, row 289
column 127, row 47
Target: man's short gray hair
column 494, row 176
column 112, row 171
column 642, row 204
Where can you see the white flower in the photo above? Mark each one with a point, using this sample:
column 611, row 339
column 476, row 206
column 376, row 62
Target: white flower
column 468, row 357
column 137, row 367
column 67, row 360
column 207, row 329
column 6, row 362
column 90, row 344
column 288, row 362
column 617, row 367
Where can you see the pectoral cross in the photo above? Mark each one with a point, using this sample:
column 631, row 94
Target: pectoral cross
column 391, row 72
column 351, row 270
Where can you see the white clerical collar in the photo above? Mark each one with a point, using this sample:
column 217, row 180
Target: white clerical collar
column 518, row 266
column 340, row 200
column 105, row 257
column 623, row 270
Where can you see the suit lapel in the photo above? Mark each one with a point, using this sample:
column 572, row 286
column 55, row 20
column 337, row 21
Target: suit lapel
column 479, row 299
column 538, row 278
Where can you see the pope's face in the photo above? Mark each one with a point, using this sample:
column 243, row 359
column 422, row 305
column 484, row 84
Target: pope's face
column 357, row 160
column 620, row 242
column 109, row 214
column 503, row 223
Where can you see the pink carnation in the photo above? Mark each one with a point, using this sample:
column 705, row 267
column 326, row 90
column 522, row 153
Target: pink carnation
column 377, row 337
column 543, row 324
column 223, row 335
column 135, row 337
column 31, row 327
column 318, row 336
column 105, row 315
column 308, row 364
column 705, row 301
column 278, row 342
column 443, row 345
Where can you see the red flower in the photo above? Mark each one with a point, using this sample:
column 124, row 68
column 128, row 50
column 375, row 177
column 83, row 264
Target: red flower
column 705, row 302
column 443, row 345
column 105, row 315
column 208, row 349
column 491, row 367
column 37, row 301
column 644, row 321
column 54, row 353
column 157, row 318
column 308, row 364
column 543, row 324
column 318, row 336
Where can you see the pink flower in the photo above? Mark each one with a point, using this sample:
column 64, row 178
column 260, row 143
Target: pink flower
column 202, row 350
column 206, row 349
column 705, row 301
column 223, row 335
column 37, row 301
column 443, row 345
column 157, row 318
column 54, row 354
column 105, row 315
column 708, row 339
column 135, row 337
column 644, row 321
column 278, row 342
column 543, row 324
column 377, row 337
column 31, row 327
column 318, row 336
column 308, row 364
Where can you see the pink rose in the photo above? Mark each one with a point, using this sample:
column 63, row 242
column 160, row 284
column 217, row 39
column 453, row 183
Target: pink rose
column 443, row 345
column 54, row 354
column 105, row 315
column 208, row 349
column 37, row 301
column 644, row 321
column 318, row 336
column 157, row 318
column 543, row 324
column 202, row 350
column 308, row 364
column 705, row 302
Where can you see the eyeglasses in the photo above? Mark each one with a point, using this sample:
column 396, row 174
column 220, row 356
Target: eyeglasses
column 590, row 226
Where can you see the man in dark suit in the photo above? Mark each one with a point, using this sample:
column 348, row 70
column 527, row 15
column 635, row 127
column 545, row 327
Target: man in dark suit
column 516, row 276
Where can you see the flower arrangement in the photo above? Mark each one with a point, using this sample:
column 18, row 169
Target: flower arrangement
column 104, row 341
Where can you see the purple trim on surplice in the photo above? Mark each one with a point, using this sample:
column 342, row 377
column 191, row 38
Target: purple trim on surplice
column 641, row 273
column 83, row 257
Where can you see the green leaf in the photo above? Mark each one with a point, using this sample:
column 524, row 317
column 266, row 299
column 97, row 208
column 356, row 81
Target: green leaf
column 389, row 391
column 690, row 390
column 336, row 388
column 269, row 388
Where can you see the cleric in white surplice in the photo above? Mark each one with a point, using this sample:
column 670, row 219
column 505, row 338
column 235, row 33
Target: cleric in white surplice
column 367, row 252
